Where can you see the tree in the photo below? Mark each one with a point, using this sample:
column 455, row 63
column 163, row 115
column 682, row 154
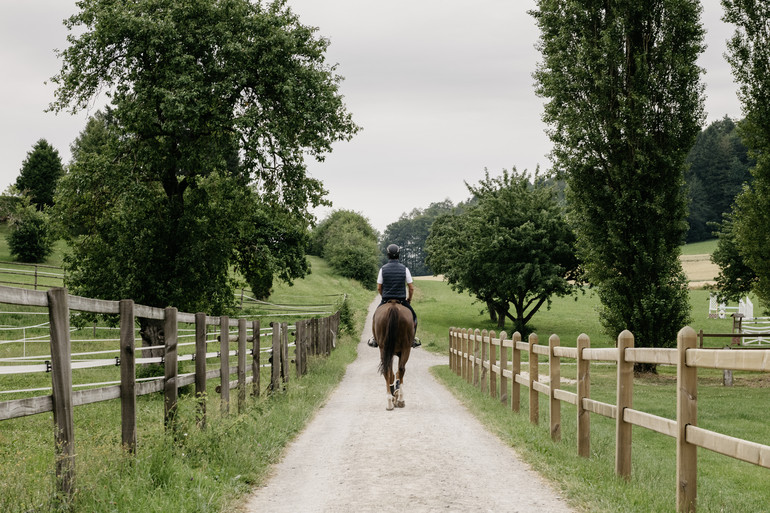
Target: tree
column 512, row 248
column 39, row 174
column 750, row 62
column 624, row 102
column 214, row 105
column 735, row 279
column 718, row 166
column 31, row 237
column 410, row 233
column 347, row 241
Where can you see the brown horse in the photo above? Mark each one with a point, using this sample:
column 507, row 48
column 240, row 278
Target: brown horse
column 393, row 328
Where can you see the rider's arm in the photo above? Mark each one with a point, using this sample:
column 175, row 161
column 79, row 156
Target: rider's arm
column 409, row 295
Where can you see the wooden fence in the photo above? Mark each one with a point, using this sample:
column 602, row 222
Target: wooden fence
column 473, row 354
column 313, row 336
column 36, row 276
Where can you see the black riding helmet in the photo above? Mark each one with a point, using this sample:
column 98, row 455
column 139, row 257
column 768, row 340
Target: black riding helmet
column 393, row 252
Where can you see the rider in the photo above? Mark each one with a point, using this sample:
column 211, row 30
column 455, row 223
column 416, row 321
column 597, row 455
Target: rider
column 393, row 281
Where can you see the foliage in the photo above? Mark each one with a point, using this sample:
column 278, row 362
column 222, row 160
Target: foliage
column 624, row 101
column 748, row 56
column 31, row 237
column 718, row 167
column 735, row 279
column 39, row 173
column 513, row 247
column 348, row 242
column 410, row 233
column 198, row 164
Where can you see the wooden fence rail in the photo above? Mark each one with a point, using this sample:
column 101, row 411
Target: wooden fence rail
column 473, row 356
column 313, row 336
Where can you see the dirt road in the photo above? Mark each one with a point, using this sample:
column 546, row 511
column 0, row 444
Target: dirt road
column 432, row 455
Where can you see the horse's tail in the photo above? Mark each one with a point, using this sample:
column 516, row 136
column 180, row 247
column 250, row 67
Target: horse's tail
column 390, row 339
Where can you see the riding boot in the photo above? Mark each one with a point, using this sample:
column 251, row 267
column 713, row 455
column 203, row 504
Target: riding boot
column 415, row 341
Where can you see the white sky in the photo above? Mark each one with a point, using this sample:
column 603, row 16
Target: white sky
column 442, row 89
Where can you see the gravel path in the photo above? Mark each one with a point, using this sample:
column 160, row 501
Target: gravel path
column 432, row 455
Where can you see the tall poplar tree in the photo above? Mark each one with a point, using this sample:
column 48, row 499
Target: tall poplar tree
column 748, row 55
column 624, row 103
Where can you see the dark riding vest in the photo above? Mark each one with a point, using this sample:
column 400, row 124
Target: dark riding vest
column 393, row 280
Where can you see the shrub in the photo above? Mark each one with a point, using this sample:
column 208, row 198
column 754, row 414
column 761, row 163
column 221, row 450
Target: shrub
column 31, row 238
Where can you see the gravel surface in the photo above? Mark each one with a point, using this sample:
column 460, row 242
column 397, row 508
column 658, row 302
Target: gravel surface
column 430, row 456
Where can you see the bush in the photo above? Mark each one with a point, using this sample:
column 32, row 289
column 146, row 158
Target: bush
column 348, row 243
column 31, row 238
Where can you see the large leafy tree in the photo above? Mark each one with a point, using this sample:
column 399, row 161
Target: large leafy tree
column 410, row 233
column 511, row 248
column 199, row 166
column 624, row 103
column 39, row 173
column 748, row 55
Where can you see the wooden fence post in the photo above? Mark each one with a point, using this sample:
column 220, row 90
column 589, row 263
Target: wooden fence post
column 583, row 392
column 275, row 359
column 61, row 381
column 224, row 364
column 298, row 347
column 625, row 394
column 554, row 410
column 285, row 352
column 242, row 335
column 492, row 365
column 515, row 371
column 256, row 369
column 503, row 367
column 686, row 415
column 200, row 367
column 451, row 347
column 476, row 357
column 483, row 385
column 466, row 349
column 171, row 393
column 127, row 376
column 534, row 374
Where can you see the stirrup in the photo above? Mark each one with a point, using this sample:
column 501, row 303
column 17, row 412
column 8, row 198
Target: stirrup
column 371, row 342
column 416, row 342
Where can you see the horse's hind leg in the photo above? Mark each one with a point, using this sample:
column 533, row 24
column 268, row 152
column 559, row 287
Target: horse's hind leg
column 399, row 397
column 389, row 386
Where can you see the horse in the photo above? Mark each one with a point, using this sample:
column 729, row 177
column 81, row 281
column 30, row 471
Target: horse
column 393, row 327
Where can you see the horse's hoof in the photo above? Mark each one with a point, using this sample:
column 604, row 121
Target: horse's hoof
column 400, row 404
column 390, row 403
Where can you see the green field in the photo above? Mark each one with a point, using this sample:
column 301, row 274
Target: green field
column 724, row 484
column 188, row 470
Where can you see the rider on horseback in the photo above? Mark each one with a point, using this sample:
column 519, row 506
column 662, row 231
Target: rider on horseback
column 393, row 281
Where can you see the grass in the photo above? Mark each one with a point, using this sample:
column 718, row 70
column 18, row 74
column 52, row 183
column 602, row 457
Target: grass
column 188, row 470
column 700, row 248
column 724, row 484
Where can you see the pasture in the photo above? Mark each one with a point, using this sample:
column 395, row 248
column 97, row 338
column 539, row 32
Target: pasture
column 188, row 469
column 724, row 484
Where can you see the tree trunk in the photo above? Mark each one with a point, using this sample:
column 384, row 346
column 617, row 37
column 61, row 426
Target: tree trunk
column 151, row 331
column 645, row 368
column 502, row 312
column 492, row 311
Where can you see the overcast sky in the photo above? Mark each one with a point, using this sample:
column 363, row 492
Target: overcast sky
column 442, row 88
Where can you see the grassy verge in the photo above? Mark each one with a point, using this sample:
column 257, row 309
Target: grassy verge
column 724, row 484
column 189, row 470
